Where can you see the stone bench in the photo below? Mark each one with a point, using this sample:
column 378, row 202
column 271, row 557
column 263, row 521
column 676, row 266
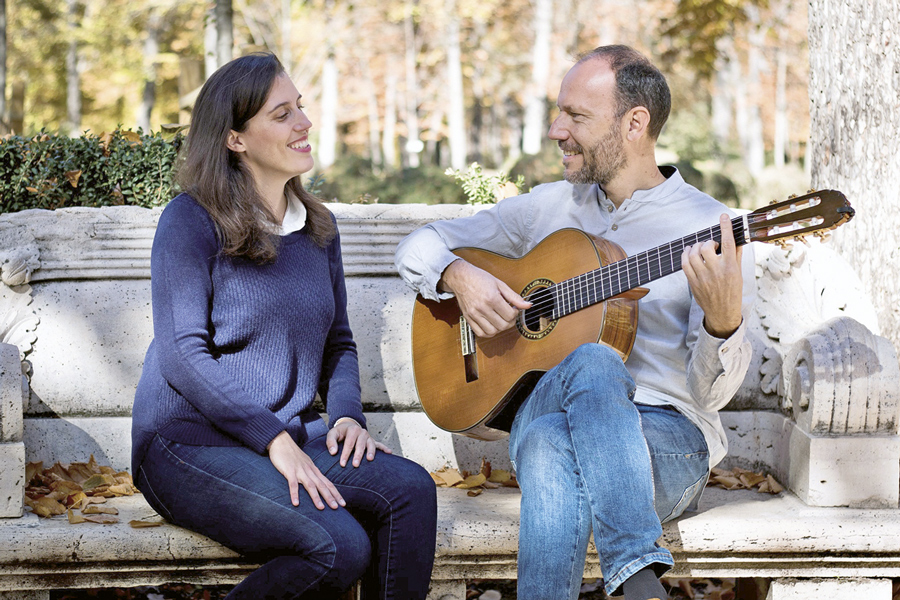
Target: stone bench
column 818, row 410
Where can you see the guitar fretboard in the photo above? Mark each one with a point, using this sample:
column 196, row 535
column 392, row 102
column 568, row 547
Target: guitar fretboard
column 616, row 278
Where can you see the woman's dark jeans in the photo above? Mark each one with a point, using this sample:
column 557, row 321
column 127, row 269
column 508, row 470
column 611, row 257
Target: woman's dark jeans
column 385, row 535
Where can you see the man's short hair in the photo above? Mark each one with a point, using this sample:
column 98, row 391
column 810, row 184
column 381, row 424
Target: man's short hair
column 638, row 83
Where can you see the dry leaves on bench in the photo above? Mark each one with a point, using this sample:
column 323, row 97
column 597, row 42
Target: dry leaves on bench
column 66, row 488
column 742, row 479
column 486, row 478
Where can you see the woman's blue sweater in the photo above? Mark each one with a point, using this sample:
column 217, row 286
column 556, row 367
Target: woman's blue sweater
column 240, row 349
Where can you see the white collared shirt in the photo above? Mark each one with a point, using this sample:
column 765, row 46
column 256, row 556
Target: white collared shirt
column 294, row 216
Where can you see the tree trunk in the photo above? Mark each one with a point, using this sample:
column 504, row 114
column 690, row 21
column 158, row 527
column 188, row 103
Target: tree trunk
column 151, row 52
column 456, row 112
column 754, row 148
column 722, row 98
column 536, row 103
column 286, row 27
column 224, row 31
column 328, row 126
column 73, row 78
column 389, row 135
column 855, row 130
column 413, row 143
column 210, row 58
column 17, row 108
column 780, row 136
column 374, row 129
column 4, row 119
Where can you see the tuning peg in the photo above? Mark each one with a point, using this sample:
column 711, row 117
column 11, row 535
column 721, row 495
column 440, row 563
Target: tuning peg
column 801, row 238
column 773, row 202
column 792, row 196
column 823, row 236
column 810, row 191
column 782, row 244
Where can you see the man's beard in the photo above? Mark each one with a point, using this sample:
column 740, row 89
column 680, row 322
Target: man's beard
column 602, row 162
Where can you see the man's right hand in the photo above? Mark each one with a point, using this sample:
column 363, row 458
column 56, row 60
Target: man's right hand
column 489, row 305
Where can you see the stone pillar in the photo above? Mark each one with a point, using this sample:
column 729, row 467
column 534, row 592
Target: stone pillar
column 12, row 449
column 817, row 589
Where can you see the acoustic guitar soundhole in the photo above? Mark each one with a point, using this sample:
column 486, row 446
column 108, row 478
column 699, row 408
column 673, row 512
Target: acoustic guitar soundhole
column 537, row 321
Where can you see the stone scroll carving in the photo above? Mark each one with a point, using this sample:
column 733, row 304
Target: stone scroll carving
column 842, row 379
column 834, row 374
column 19, row 258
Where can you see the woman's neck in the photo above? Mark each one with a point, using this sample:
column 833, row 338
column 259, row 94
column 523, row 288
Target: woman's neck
column 274, row 198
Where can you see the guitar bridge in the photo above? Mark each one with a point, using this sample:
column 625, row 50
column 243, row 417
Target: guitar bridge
column 469, row 350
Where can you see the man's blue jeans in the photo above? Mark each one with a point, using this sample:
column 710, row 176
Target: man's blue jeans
column 587, row 457
column 385, row 536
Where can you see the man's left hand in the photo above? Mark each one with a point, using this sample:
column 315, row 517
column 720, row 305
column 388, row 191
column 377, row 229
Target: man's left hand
column 716, row 281
column 357, row 442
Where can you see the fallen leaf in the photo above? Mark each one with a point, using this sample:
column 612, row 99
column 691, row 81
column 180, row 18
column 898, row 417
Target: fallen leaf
column 75, row 500
column 123, row 489
column 471, row 481
column 102, row 519
column 74, row 518
column 46, row 507
column 499, row 476
column 99, row 509
column 450, row 477
column 751, row 479
column 32, row 469
column 142, row 524
column 486, row 468
column 96, row 481
column 475, row 492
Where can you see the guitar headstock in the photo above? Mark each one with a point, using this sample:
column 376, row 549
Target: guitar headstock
column 798, row 216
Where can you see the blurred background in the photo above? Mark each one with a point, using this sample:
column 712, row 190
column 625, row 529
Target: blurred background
column 401, row 90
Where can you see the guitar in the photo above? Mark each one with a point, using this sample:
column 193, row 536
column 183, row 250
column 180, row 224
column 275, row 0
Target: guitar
column 586, row 290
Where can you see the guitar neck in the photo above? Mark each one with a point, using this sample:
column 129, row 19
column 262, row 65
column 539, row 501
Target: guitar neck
column 617, row 278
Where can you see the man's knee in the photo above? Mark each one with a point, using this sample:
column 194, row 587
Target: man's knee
column 594, row 355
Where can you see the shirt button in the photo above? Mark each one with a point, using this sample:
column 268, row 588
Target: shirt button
column 724, row 350
column 615, row 227
column 609, row 208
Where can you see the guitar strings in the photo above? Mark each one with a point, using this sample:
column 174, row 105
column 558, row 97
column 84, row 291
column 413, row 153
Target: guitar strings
column 613, row 274
column 630, row 270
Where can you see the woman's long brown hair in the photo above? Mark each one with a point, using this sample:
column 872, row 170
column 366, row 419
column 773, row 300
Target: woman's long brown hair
column 217, row 179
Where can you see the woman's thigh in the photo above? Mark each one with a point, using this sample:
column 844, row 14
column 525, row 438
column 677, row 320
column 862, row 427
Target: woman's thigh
column 237, row 497
column 679, row 458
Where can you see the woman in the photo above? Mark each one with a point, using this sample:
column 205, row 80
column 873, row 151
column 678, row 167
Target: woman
column 250, row 322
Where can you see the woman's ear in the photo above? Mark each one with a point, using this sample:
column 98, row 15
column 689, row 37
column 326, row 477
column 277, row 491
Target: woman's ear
column 233, row 142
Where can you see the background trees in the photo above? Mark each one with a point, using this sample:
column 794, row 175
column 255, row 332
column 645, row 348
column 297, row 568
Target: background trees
column 430, row 84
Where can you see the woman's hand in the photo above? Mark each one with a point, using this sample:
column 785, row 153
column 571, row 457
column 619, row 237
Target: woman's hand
column 356, row 441
column 299, row 469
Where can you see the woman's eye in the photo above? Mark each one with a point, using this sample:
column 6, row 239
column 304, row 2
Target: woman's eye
column 283, row 116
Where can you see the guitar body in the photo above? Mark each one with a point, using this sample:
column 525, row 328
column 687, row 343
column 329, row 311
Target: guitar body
column 466, row 393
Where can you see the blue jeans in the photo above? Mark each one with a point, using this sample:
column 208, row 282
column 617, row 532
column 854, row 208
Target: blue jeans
column 385, row 535
column 587, row 457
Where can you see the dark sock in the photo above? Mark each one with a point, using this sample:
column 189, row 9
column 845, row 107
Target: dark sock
column 644, row 585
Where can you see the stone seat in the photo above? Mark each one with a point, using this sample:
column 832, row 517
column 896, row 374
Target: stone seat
column 733, row 534
column 818, row 410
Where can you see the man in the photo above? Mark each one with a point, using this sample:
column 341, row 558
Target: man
column 601, row 445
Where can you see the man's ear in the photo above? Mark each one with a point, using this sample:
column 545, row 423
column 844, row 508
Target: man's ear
column 234, row 142
column 638, row 123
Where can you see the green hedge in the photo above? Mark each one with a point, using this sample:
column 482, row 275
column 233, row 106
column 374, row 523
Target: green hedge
column 54, row 171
